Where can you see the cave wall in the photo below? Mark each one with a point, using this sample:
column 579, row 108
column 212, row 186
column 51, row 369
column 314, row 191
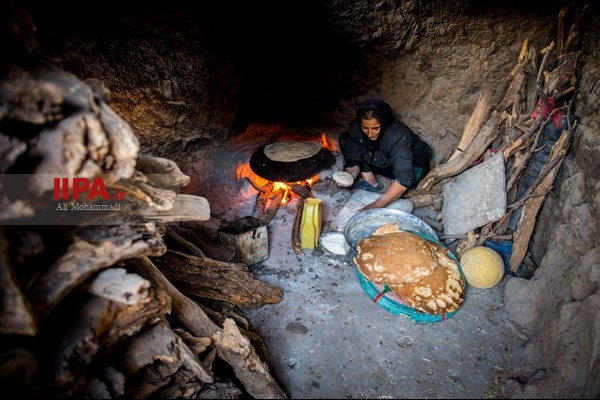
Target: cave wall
column 432, row 59
column 176, row 74
column 167, row 74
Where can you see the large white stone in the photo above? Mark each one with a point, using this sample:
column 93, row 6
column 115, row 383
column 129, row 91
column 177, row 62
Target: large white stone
column 475, row 197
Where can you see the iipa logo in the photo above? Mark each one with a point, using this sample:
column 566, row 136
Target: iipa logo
column 82, row 186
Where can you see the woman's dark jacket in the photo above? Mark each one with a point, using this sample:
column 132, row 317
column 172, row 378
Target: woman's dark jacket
column 393, row 148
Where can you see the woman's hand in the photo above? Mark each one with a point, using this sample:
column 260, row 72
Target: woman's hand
column 393, row 193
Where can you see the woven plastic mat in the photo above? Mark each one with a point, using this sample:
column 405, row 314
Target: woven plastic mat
column 381, row 294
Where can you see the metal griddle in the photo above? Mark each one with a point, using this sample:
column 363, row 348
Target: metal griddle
column 295, row 171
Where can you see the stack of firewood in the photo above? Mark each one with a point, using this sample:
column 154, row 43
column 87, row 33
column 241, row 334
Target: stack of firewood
column 512, row 120
column 136, row 303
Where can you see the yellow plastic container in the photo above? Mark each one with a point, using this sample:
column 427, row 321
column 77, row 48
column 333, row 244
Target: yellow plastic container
column 310, row 226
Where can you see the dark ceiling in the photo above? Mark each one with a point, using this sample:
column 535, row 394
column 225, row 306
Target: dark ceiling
column 291, row 65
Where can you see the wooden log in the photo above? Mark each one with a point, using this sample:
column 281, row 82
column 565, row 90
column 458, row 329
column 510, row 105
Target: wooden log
column 516, row 86
column 424, row 198
column 237, row 350
column 303, row 191
column 219, row 314
column 532, row 205
column 217, row 280
column 521, row 160
column 95, row 248
column 295, row 234
column 575, row 35
column 186, row 311
column 510, row 148
column 563, row 76
column 157, row 363
column 186, row 207
column 118, row 285
column 547, row 59
column 220, row 390
column 561, row 29
column 176, row 242
column 196, row 344
column 257, row 379
column 99, row 325
column 474, row 123
column 161, row 172
column 267, row 202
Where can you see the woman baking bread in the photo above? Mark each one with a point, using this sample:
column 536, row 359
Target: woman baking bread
column 377, row 143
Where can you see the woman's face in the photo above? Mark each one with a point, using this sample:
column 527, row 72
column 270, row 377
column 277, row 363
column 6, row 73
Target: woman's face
column 371, row 128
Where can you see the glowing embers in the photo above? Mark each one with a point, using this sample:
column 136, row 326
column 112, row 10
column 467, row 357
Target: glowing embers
column 274, row 191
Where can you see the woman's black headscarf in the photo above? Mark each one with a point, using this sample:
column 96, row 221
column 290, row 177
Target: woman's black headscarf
column 379, row 107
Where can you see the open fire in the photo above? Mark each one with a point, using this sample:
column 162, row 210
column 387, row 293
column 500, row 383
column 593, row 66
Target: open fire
column 271, row 190
column 274, row 193
column 283, row 191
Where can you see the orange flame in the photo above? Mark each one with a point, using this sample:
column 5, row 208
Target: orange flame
column 326, row 144
column 244, row 171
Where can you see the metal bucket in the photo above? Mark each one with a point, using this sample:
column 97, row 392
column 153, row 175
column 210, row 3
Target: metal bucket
column 250, row 238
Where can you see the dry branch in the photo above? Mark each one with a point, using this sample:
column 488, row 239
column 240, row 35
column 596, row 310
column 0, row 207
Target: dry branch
column 484, row 138
column 198, row 242
column 482, row 108
column 174, row 238
column 248, row 367
column 532, row 205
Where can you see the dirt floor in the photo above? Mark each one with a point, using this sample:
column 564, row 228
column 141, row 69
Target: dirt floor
column 328, row 339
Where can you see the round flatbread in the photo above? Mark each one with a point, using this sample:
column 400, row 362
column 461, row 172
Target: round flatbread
column 290, row 151
column 343, row 178
column 439, row 293
column 396, row 257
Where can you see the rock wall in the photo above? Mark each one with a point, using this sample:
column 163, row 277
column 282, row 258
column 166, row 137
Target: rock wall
column 177, row 75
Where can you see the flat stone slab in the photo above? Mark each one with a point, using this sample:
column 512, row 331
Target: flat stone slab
column 475, row 197
column 358, row 200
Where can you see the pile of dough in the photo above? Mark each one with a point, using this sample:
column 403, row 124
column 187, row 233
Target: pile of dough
column 343, row 178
